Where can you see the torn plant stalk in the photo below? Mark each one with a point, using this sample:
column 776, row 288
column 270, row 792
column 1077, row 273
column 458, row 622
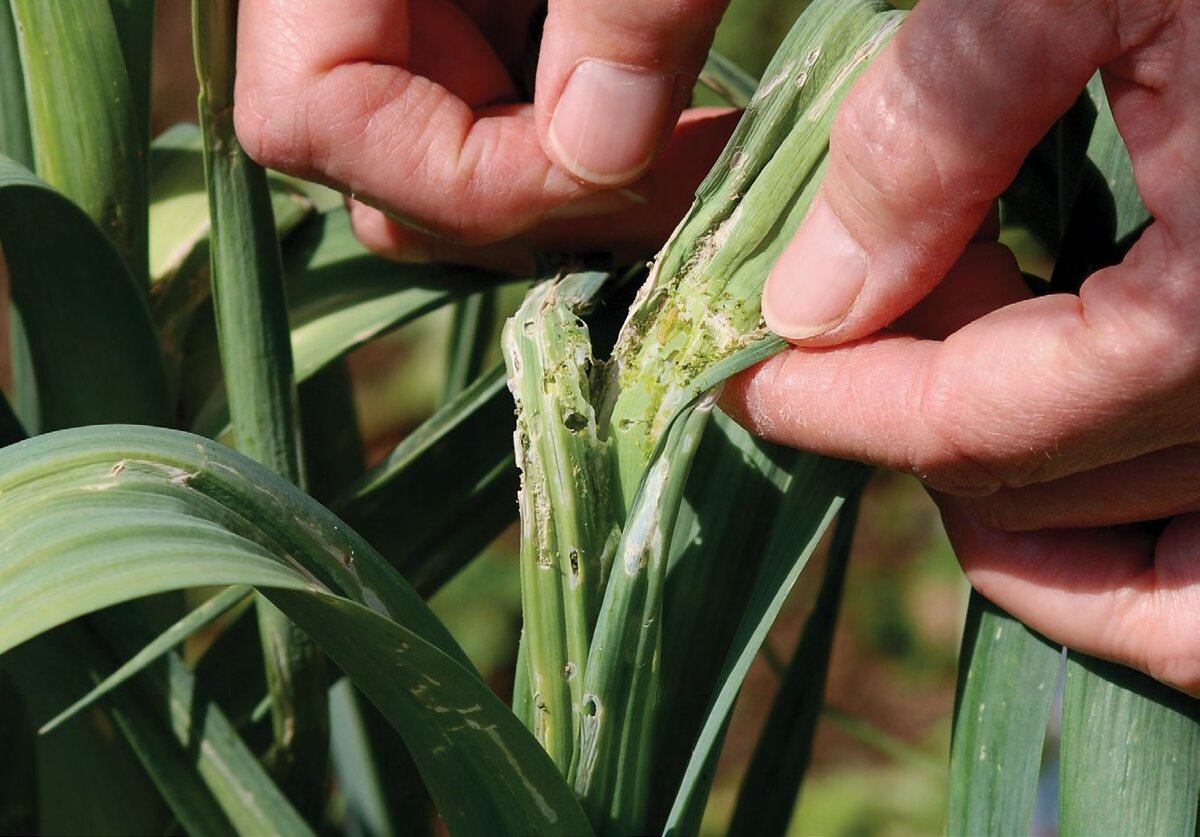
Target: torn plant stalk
column 605, row 447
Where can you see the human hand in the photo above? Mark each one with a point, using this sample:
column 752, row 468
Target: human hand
column 1042, row 425
column 410, row 107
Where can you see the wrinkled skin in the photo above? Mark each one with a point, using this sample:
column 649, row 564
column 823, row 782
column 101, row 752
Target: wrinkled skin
column 1047, row 429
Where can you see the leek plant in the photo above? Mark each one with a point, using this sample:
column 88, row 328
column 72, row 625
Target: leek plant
column 182, row 418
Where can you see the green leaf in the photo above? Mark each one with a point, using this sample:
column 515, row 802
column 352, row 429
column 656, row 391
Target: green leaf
column 109, row 790
column 736, row 487
column 817, row 491
column 340, row 297
column 728, row 80
column 471, row 334
column 15, row 141
column 1130, row 753
column 354, row 765
column 613, row 765
column 179, row 221
column 444, row 492
column 772, row 780
column 134, row 22
column 93, row 346
column 99, row 515
column 256, row 359
column 198, row 618
column 1102, row 209
column 83, row 120
column 333, row 447
column 1006, row 681
column 190, row 751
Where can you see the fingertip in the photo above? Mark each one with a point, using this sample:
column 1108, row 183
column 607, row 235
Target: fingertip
column 610, row 120
column 816, row 280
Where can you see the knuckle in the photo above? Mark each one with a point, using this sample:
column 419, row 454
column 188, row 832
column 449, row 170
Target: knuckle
column 266, row 124
column 941, row 454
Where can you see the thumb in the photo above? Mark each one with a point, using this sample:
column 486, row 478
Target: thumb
column 923, row 143
column 613, row 77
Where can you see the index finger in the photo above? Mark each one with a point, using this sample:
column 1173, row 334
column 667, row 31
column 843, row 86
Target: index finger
column 1034, row 391
column 325, row 91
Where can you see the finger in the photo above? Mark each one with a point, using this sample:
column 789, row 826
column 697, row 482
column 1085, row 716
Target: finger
column 630, row 231
column 447, row 47
column 1152, row 486
column 508, row 26
column 1114, row 593
column 344, row 109
column 927, row 138
column 1031, row 392
column 984, row 279
column 850, row 401
column 613, row 76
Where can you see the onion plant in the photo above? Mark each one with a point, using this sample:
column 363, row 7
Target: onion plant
column 181, row 418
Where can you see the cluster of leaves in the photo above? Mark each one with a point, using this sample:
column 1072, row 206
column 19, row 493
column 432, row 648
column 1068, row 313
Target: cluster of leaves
column 168, row 294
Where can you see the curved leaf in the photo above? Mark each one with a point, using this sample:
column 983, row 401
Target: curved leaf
column 94, row 349
column 772, row 781
column 99, row 515
column 341, row 296
column 445, row 491
column 82, row 116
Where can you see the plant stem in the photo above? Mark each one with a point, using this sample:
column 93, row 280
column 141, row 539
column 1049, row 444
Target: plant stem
column 251, row 313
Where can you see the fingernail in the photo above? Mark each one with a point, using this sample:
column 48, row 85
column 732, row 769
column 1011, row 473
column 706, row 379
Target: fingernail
column 610, row 120
column 816, row 280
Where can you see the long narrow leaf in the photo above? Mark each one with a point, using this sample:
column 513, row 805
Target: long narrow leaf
column 1130, row 757
column 817, row 492
column 1100, row 204
column 354, row 765
column 195, row 758
column 1006, row 683
column 134, row 23
column 737, row 484
column 340, row 297
column 179, row 219
column 444, row 492
column 84, row 125
column 203, row 615
column 728, row 80
column 93, row 346
column 15, row 141
column 111, row 791
column 99, row 515
column 613, row 767
column 772, row 780
column 256, row 357
column 470, row 333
